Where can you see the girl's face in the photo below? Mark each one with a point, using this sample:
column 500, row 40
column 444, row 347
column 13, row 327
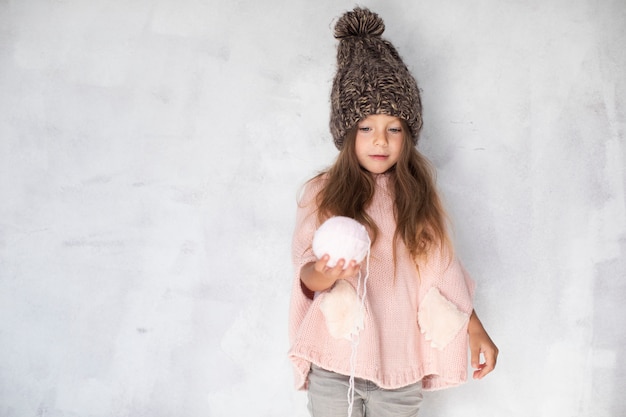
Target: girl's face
column 378, row 142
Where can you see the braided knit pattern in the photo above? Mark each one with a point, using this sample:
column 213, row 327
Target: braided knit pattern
column 371, row 77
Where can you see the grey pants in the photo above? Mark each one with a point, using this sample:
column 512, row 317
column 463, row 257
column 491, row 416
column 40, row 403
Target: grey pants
column 328, row 397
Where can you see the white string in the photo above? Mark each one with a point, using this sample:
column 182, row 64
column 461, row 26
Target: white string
column 355, row 336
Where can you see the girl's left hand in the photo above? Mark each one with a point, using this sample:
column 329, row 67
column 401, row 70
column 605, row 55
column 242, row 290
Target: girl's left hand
column 480, row 342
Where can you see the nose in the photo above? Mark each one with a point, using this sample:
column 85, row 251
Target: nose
column 380, row 139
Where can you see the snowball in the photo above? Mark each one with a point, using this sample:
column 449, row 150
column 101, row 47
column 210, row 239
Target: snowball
column 341, row 238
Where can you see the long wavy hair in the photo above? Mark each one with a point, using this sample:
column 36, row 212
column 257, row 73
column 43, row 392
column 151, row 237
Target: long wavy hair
column 421, row 221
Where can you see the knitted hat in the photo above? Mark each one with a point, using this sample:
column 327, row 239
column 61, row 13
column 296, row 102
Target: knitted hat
column 371, row 77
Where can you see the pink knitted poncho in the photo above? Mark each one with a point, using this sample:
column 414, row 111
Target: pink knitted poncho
column 392, row 351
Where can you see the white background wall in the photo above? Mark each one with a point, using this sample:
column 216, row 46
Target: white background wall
column 150, row 156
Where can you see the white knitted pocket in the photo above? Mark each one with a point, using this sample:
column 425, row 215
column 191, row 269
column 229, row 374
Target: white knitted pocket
column 342, row 310
column 439, row 319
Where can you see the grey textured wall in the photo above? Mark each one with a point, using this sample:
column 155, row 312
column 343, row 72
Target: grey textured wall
column 150, row 156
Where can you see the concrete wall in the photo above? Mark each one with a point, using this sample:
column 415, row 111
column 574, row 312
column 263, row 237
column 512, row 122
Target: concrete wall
column 150, row 156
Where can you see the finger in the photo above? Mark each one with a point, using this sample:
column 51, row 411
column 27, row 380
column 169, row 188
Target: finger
column 351, row 270
column 491, row 356
column 478, row 372
column 338, row 268
column 483, row 371
column 475, row 356
column 488, row 366
column 320, row 265
column 352, row 267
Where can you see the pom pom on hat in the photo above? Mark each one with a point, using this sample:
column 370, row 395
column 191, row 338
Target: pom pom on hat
column 371, row 77
column 359, row 22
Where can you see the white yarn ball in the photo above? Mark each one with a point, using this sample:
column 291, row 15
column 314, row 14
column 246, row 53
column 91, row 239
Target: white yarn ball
column 341, row 238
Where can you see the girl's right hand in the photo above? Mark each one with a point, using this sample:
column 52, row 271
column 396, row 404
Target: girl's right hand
column 337, row 271
column 318, row 276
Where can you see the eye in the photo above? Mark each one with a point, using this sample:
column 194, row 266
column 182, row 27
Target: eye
column 365, row 128
column 395, row 129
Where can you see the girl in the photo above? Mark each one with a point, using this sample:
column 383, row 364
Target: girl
column 417, row 306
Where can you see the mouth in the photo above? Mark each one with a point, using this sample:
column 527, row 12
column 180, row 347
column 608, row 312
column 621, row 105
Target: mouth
column 379, row 157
